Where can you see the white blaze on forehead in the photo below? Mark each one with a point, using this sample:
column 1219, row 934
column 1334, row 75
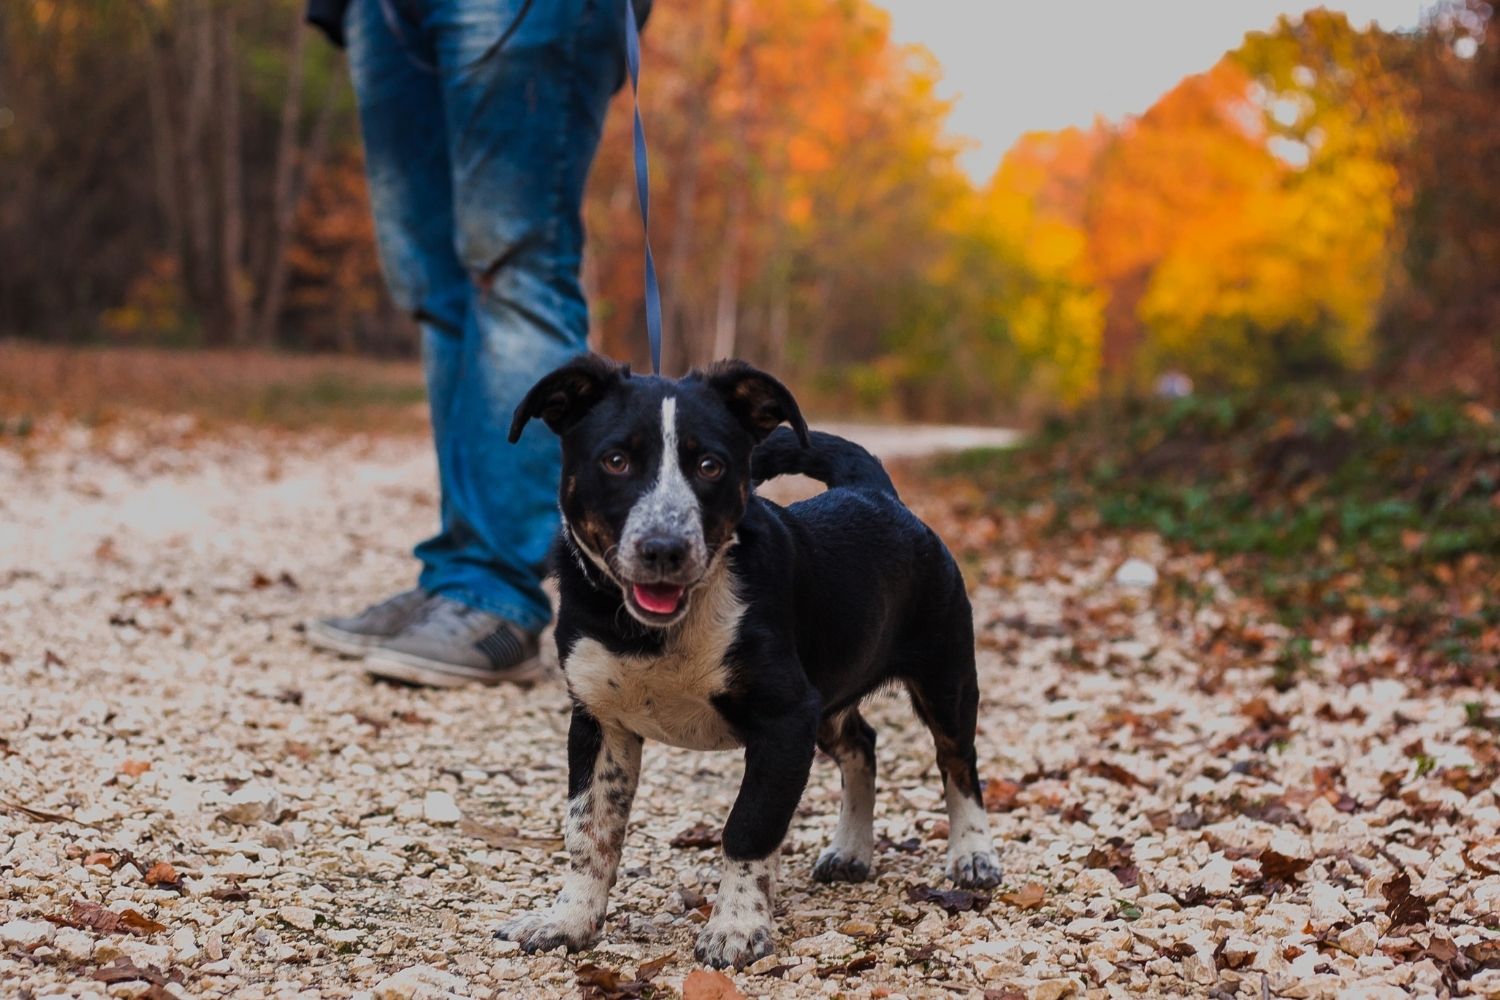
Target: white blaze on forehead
column 669, row 476
column 670, row 507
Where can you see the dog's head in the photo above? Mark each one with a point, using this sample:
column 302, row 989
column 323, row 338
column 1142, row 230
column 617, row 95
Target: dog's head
column 656, row 472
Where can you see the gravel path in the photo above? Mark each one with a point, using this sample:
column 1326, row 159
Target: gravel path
column 193, row 803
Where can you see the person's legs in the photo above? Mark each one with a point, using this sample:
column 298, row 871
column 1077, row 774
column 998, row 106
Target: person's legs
column 406, row 161
column 524, row 103
column 405, row 135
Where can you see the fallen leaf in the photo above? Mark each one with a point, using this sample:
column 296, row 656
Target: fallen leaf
column 952, row 900
column 164, row 875
column 232, row 894
column 1276, row 867
column 1028, row 897
column 123, row 970
column 709, row 984
column 99, row 858
column 698, row 835
column 1401, row 905
column 138, row 923
column 91, row 916
column 1116, row 773
column 1000, row 795
column 648, row 970
column 595, row 982
column 134, row 768
column 849, row 968
column 39, row 815
column 507, row 838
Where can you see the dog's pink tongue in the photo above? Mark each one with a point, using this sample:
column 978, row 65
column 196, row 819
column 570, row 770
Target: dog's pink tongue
column 658, row 598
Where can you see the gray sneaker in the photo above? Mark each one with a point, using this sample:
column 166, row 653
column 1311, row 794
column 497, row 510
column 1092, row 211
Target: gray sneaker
column 450, row 644
column 357, row 635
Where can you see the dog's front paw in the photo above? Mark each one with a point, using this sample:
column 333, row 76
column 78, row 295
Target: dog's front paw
column 835, row 866
column 735, row 943
column 976, row 870
column 546, row 929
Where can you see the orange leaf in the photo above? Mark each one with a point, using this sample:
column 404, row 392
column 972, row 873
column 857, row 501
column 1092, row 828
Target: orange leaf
column 134, row 768
column 1000, row 795
column 1028, row 897
column 162, row 873
column 709, row 984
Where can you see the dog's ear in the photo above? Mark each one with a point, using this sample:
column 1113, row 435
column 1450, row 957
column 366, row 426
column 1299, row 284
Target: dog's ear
column 563, row 397
column 756, row 399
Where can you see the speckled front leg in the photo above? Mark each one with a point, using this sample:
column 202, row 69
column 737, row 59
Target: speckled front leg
column 604, row 766
column 740, row 930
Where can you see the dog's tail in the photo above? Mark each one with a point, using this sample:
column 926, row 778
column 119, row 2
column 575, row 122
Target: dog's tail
column 830, row 460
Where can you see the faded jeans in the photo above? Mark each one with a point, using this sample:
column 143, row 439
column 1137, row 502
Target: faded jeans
column 477, row 153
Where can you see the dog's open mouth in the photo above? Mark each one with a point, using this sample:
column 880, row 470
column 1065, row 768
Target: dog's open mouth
column 658, row 598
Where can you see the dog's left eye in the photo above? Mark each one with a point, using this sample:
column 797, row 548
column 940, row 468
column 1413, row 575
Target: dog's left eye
column 616, row 463
column 710, row 467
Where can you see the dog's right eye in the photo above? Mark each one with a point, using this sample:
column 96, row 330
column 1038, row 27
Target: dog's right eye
column 616, row 462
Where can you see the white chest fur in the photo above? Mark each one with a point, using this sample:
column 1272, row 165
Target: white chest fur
column 666, row 697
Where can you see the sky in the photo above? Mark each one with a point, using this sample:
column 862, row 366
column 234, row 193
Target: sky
column 1017, row 66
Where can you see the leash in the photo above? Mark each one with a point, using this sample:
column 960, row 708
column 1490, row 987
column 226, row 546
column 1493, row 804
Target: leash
column 643, row 186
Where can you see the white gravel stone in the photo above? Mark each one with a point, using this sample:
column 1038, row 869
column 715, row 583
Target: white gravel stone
column 252, row 803
column 421, row 982
column 1326, row 906
column 26, row 933
column 439, row 807
column 1136, row 574
column 1360, row 939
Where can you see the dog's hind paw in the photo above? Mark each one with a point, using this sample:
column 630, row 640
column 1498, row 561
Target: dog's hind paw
column 546, row 929
column 979, row 870
column 834, row 866
column 732, row 944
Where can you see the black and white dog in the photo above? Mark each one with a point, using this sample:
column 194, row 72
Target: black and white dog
column 699, row 614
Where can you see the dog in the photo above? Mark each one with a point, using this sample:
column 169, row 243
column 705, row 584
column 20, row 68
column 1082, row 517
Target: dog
column 694, row 612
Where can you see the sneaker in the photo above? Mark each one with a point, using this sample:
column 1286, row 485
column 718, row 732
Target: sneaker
column 357, row 635
column 451, row 644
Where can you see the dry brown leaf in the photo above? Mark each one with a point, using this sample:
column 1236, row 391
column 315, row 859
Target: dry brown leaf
column 91, row 916
column 1276, row 867
column 648, row 971
column 697, row 835
column 134, row 768
column 1402, row 906
column 40, row 815
column 162, row 873
column 138, row 923
column 595, row 982
column 709, row 984
column 1001, row 795
column 952, row 900
column 1028, row 897
column 507, row 838
column 99, row 858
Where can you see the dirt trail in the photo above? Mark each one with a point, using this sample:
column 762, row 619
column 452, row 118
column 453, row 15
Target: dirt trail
column 1161, row 836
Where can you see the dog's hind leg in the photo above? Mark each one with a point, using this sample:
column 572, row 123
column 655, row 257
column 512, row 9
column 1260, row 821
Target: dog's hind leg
column 946, row 697
column 604, row 765
column 849, row 740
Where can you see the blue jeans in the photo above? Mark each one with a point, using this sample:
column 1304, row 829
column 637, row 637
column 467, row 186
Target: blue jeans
column 477, row 153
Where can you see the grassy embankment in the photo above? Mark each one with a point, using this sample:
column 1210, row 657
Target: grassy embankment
column 218, row 388
column 1349, row 515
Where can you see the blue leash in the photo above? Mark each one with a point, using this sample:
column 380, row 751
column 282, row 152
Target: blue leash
column 643, row 186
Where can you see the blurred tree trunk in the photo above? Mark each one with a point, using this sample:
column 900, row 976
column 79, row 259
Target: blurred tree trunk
column 195, row 48
column 726, row 329
column 232, row 278
column 677, row 299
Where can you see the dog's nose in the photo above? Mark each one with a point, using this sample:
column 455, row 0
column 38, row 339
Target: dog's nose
column 662, row 553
